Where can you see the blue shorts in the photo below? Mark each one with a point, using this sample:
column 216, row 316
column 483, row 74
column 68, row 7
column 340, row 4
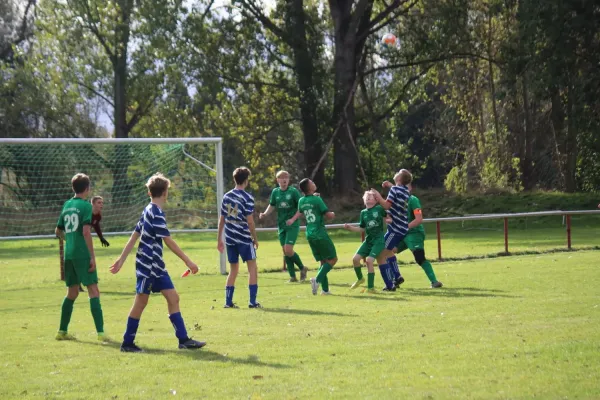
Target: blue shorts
column 392, row 239
column 244, row 250
column 154, row 285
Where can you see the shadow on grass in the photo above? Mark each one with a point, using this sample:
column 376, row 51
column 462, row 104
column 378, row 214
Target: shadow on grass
column 200, row 354
column 377, row 296
column 305, row 312
column 456, row 292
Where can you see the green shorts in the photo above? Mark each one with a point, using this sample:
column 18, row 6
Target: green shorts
column 412, row 241
column 371, row 248
column 322, row 248
column 289, row 236
column 76, row 272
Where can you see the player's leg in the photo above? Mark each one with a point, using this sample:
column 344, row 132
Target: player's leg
column 72, row 282
column 370, row 274
column 314, row 285
column 165, row 285
column 288, row 261
column 233, row 256
column 143, row 289
column 393, row 261
column 329, row 255
column 90, row 280
column 416, row 243
column 362, row 252
column 291, row 237
column 248, row 254
column 391, row 240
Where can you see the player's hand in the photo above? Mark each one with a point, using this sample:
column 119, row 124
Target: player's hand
column 317, row 194
column 376, row 194
column 104, row 242
column 255, row 242
column 92, row 265
column 347, row 226
column 388, row 220
column 386, row 184
column 116, row 267
column 220, row 246
column 289, row 222
column 192, row 266
column 261, row 215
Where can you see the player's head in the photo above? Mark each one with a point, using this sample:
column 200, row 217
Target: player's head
column 158, row 186
column 97, row 204
column 241, row 176
column 369, row 199
column 283, row 179
column 307, row 186
column 403, row 177
column 81, row 185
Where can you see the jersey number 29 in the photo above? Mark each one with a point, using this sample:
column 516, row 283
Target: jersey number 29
column 71, row 222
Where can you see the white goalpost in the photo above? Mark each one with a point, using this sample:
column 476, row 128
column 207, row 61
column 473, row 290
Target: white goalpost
column 35, row 176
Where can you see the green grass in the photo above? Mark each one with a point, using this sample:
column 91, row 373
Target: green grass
column 509, row 327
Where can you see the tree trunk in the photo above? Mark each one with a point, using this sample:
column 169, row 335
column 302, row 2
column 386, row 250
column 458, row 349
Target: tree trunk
column 571, row 142
column 303, row 68
column 527, row 154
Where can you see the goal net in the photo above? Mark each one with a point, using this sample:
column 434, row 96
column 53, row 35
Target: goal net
column 35, row 181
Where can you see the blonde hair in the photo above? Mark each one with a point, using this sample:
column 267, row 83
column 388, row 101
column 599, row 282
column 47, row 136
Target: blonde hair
column 158, row 184
column 96, row 198
column 404, row 176
column 281, row 173
column 366, row 196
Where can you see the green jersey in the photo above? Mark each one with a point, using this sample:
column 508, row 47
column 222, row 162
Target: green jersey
column 371, row 220
column 286, row 203
column 313, row 209
column 76, row 213
column 414, row 204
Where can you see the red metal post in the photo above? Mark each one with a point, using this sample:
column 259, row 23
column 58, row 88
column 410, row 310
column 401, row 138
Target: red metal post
column 439, row 239
column 569, row 232
column 362, row 236
column 506, row 235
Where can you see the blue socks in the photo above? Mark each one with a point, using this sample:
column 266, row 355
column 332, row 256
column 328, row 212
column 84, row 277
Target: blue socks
column 393, row 263
column 132, row 327
column 180, row 331
column 229, row 295
column 253, row 291
column 387, row 275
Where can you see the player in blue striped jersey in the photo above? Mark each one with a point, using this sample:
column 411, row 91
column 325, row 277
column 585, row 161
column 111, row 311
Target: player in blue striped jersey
column 150, row 269
column 237, row 222
column 396, row 204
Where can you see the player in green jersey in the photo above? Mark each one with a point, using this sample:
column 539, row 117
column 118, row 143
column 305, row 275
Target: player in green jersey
column 285, row 199
column 315, row 211
column 415, row 239
column 74, row 226
column 371, row 222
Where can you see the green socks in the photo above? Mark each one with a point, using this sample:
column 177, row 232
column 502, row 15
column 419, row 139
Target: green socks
column 371, row 280
column 297, row 261
column 325, row 268
column 325, row 284
column 65, row 314
column 289, row 262
column 97, row 314
column 358, row 272
column 429, row 271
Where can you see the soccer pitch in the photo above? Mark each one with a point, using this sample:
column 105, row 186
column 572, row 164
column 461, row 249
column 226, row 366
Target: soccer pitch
column 507, row 327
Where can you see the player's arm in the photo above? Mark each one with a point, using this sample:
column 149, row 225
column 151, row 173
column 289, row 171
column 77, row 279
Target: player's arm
column 59, row 233
column 353, row 228
column 174, row 247
column 329, row 215
column 386, row 204
column 96, row 226
column 220, row 244
column 268, row 211
column 418, row 219
column 128, row 247
column 87, row 235
column 252, row 227
column 294, row 218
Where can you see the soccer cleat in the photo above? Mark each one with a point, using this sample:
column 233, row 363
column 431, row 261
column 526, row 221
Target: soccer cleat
column 192, row 344
column 399, row 282
column 232, row 305
column 303, row 274
column 102, row 337
column 255, row 305
column 64, row 336
column 130, row 348
column 292, row 280
column 387, row 289
column 369, row 290
column 437, row 284
column 324, row 293
column 357, row 283
column 314, row 285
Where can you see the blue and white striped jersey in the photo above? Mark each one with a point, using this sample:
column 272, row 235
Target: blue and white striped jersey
column 237, row 205
column 152, row 227
column 398, row 197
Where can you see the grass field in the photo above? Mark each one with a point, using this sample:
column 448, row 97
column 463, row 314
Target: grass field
column 509, row 327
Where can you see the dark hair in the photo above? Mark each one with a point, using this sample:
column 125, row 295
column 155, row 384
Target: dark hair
column 304, row 185
column 158, row 184
column 80, row 183
column 241, row 175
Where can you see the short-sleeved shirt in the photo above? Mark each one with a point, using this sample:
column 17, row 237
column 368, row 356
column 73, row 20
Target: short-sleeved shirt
column 313, row 208
column 371, row 220
column 152, row 228
column 398, row 197
column 74, row 215
column 286, row 203
column 237, row 205
column 414, row 204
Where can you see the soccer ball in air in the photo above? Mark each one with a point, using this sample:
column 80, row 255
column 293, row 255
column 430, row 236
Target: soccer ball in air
column 389, row 41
